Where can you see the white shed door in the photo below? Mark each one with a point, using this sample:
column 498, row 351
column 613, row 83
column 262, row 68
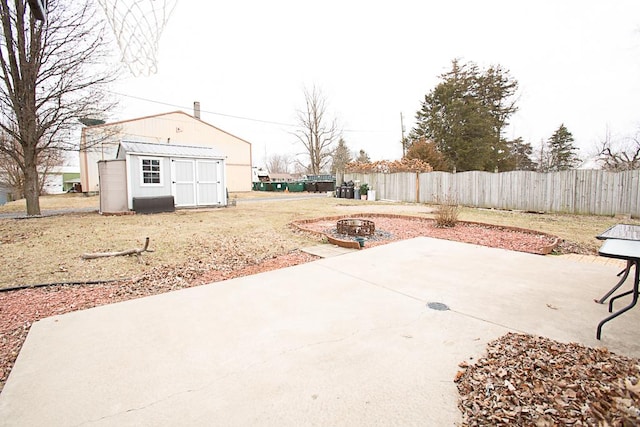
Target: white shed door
column 183, row 182
column 209, row 182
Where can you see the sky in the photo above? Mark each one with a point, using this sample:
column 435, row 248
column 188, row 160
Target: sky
column 577, row 63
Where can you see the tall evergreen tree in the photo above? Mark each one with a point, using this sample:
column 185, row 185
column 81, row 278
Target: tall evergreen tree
column 466, row 114
column 341, row 156
column 521, row 156
column 563, row 154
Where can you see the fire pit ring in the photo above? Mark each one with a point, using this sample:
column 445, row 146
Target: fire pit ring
column 356, row 227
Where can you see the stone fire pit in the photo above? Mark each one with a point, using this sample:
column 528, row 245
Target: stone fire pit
column 356, row 227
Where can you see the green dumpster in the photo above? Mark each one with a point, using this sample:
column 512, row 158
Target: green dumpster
column 296, row 187
column 265, row 186
column 279, row 186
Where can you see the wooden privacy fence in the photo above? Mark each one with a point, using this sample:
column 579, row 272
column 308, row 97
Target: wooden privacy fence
column 592, row 192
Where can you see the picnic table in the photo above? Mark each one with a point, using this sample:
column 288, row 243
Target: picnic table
column 622, row 241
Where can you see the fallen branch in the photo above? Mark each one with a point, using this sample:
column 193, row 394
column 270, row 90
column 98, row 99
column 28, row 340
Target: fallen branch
column 135, row 252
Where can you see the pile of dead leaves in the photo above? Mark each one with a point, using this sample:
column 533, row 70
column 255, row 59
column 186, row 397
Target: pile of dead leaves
column 528, row 380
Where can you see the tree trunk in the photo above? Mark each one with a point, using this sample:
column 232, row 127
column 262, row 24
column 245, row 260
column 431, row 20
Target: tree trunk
column 31, row 187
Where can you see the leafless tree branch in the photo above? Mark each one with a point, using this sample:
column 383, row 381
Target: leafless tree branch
column 620, row 156
column 51, row 74
column 317, row 132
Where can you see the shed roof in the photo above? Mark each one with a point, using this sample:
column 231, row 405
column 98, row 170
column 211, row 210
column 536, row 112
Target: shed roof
column 168, row 150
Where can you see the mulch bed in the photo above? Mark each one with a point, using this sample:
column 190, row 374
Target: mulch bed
column 391, row 228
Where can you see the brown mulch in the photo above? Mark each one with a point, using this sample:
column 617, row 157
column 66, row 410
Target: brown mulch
column 535, row 381
column 393, row 228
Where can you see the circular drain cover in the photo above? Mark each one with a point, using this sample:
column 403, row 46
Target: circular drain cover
column 438, row 306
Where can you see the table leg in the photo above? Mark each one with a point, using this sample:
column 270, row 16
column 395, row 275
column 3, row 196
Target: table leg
column 629, row 307
column 624, row 294
column 625, row 274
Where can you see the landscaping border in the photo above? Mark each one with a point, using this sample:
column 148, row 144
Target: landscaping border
column 299, row 224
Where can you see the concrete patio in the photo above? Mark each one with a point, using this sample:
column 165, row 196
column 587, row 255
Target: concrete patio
column 346, row 340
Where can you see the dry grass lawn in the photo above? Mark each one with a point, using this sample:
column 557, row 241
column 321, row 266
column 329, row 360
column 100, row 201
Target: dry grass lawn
column 49, row 249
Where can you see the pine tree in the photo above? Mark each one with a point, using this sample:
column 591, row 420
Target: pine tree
column 520, row 154
column 466, row 114
column 563, row 154
column 341, row 156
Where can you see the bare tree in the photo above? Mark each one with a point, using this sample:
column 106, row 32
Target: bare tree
column 317, row 132
column 52, row 74
column 543, row 158
column 278, row 163
column 620, row 156
column 12, row 176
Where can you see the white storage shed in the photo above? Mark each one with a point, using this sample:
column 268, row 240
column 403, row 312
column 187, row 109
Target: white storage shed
column 188, row 176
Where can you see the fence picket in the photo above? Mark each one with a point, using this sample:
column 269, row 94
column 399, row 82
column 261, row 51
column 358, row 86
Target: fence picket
column 591, row 192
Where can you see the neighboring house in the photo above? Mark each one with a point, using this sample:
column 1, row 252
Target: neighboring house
column 61, row 179
column 144, row 173
column 4, row 194
column 101, row 142
column 260, row 175
column 58, row 180
column 281, row 177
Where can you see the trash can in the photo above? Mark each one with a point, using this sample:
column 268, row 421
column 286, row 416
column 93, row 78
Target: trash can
column 348, row 193
column 356, row 193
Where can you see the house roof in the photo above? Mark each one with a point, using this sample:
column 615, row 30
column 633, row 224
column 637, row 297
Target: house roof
column 168, row 150
column 161, row 115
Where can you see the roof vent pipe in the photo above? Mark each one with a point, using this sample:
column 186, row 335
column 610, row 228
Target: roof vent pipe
column 196, row 110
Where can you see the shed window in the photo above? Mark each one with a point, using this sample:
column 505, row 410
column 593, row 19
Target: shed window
column 151, row 174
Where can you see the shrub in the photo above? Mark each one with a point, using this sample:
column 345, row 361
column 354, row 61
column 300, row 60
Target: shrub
column 386, row 166
column 447, row 213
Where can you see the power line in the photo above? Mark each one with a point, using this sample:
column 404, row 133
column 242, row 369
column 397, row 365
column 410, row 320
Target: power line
column 205, row 111
column 270, row 122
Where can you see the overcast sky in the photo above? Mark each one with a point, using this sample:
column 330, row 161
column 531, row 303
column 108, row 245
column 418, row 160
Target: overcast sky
column 577, row 63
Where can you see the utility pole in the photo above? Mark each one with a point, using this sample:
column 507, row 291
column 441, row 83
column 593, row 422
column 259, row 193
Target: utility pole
column 402, row 133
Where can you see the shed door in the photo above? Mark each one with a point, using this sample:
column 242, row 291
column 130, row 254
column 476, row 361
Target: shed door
column 209, row 182
column 183, row 182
